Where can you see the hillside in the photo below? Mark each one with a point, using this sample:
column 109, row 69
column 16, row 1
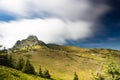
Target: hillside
column 12, row 74
column 63, row 61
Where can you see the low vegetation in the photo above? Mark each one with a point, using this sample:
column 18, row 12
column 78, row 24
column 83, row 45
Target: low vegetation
column 24, row 66
column 7, row 73
column 40, row 61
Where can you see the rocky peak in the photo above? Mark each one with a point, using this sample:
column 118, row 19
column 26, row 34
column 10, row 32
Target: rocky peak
column 29, row 42
column 32, row 37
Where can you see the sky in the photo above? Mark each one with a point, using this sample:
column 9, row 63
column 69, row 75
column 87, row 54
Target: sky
column 83, row 23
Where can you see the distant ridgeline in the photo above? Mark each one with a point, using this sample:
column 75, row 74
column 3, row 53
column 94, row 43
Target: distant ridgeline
column 31, row 43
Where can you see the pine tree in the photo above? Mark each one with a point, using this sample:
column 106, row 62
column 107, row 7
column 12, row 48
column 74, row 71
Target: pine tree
column 4, row 60
column 11, row 62
column 28, row 68
column 40, row 72
column 46, row 74
column 75, row 76
column 20, row 64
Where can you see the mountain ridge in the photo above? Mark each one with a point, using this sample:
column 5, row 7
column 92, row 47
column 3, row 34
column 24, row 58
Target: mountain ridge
column 33, row 43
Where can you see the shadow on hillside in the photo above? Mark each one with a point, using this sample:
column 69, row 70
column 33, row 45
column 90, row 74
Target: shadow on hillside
column 2, row 76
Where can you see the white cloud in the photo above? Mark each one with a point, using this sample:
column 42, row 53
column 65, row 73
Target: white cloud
column 49, row 30
column 15, row 7
column 65, row 9
column 68, row 19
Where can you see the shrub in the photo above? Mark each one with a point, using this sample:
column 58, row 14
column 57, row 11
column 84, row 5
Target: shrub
column 75, row 76
column 98, row 76
column 113, row 70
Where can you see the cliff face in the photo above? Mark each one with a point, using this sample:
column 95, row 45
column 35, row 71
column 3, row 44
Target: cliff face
column 28, row 43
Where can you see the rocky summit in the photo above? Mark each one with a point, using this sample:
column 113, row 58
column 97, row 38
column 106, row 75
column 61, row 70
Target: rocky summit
column 27, row 44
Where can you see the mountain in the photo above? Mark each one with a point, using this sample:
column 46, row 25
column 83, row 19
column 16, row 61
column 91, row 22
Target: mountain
column 62, row 61
column 30, row 43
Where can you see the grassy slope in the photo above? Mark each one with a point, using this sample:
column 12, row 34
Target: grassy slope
column 63, row 61
column 12, row 74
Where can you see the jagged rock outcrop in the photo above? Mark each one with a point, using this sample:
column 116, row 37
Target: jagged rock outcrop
column 27, row 44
